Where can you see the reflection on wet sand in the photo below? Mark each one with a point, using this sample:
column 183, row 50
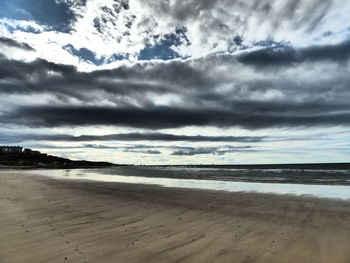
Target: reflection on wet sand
column 324, row 191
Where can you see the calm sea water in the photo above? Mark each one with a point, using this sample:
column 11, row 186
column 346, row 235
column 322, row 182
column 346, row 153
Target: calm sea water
column 325, row 184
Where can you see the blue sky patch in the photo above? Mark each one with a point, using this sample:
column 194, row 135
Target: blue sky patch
column 28, row 29
column 48, row 12
column 159, row 51
column 89, row 56
column 163, row 49
column 84, row 54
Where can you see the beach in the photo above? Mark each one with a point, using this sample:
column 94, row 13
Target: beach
column 44, row 219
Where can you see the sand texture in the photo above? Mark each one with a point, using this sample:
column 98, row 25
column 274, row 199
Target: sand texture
column 47, row 220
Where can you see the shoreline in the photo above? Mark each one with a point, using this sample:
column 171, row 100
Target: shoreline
column 86, row 221
column 297, row 177
column 159, row 187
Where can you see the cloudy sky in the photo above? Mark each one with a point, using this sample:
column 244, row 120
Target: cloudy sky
column 177, row 82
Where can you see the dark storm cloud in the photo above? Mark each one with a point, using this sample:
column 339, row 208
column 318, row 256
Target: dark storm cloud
column 31, row 77
column 135, row 82
column 167, row 117
column 298, row 99
column 145, row 152
column 194, row 151
column 95, row 146
column 162, row 137
column 287, row 55
column 133, row 149
column 98, row 146
column 155, row 149
column 191, row 151
column 13, row 43
column 177, row 77
column 130, row 137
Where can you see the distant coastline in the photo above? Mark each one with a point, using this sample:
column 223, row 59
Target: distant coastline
column 16, row 157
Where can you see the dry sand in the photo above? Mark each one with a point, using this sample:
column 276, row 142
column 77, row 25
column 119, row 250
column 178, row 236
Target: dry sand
column 47, row 220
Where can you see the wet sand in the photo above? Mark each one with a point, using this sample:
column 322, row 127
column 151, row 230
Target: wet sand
column 48, row 220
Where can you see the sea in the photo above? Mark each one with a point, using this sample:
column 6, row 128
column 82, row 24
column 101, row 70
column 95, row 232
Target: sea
column 318, row 181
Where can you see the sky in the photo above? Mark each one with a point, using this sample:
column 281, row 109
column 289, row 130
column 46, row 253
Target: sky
column 177, row 82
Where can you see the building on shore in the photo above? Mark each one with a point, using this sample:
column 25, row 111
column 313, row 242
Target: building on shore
column 11, row 149
column 31, row 152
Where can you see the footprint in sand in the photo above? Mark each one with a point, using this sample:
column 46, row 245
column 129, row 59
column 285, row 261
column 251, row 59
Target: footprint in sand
column 132, row 243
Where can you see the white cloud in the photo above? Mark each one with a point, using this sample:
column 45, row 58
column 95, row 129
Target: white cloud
column 109, row 27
